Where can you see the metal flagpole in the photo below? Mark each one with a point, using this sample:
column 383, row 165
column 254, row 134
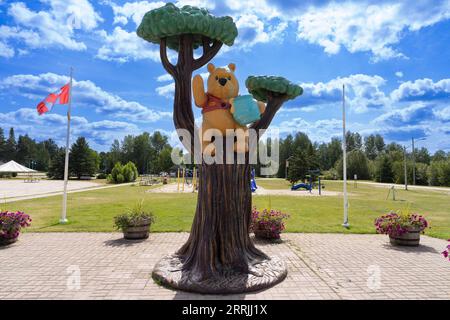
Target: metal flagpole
column 344, row 154
column 66, row 162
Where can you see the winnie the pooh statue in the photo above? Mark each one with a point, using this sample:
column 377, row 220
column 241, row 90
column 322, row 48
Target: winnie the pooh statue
column 217, row 103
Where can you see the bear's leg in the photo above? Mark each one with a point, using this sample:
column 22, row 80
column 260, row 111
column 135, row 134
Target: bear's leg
column 208, row 147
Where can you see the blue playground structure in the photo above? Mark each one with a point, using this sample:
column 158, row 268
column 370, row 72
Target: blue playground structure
column 253, row 185
column 313, row 174
column 306, row 186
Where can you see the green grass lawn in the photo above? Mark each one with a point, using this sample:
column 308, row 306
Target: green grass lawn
column 94, row 210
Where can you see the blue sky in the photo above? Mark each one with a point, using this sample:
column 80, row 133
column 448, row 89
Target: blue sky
column 393, row 57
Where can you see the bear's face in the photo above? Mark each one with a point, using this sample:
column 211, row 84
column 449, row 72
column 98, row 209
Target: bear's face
column 222, row 83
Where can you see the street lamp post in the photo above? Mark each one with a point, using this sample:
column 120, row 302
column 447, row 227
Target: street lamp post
column 404, row 165
column 414, row 161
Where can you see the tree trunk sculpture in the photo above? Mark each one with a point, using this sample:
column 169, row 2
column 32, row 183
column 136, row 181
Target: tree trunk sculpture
column 219, row 256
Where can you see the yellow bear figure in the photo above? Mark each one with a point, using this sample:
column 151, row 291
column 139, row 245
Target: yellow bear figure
column 217, row 101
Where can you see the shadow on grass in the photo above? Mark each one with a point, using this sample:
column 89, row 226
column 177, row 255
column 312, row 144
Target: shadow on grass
column 121, row 242
column 418, row 250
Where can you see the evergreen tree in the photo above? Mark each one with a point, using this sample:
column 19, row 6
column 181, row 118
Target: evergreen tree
column 357, row 163
column 26, row 151
column 2, row 146
column 11, row 146
column 384, row 169
column 56, row 167
column 298, row 167
column 83, row 160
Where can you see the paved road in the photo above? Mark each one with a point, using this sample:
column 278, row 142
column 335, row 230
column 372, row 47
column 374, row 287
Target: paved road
column 17, row 190
column 320, row 266
column 402, row 186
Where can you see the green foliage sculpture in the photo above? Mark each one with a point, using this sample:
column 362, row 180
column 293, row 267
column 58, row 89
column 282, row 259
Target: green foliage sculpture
column 219, row 256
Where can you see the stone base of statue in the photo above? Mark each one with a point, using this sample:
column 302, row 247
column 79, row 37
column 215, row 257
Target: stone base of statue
column 261, row 275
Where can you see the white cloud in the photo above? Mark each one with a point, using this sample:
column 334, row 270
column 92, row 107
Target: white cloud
column 164, row 78
column 6, row 51
column 362, row 92
column 133, row 10
column 52, row 28
column 319, row 130
column 399, row 74
column 253, row 30
column 101, row 133
column 422, row 89
column 85, row 94
column 443, row 114
column 166, row 91
column 364, row 27
column 122, row 46
column 413, row 114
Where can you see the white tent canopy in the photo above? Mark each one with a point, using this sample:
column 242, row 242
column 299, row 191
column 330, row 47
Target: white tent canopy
column 14, row 167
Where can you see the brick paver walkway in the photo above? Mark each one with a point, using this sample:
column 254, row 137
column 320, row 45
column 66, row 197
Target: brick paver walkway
column 321, row 266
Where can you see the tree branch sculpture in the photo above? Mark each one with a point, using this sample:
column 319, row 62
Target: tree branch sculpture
column 219, row 256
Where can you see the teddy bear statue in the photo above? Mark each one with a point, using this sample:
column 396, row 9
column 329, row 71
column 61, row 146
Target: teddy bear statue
column 222, row 107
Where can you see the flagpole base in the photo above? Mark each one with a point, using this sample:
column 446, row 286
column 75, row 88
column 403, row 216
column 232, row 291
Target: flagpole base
column 346, row 225
column 63, row 221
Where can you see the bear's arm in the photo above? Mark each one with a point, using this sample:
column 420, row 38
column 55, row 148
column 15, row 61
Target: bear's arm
column 261, row 106
column 198, row 89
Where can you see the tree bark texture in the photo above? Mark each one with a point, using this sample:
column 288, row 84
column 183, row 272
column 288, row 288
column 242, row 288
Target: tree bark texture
column 219, row 255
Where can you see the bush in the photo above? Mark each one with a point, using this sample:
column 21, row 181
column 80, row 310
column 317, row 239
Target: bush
column 102, row 176
column 331, row 174
column 121, row 174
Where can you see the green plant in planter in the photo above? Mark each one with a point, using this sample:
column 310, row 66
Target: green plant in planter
column 134, row 216
column 135, row 223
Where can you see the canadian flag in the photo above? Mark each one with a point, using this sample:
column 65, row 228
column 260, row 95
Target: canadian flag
column 52, row 98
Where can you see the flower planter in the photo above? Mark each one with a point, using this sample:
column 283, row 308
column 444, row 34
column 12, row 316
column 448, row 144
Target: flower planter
column 409, row 238
column 137, row 231
column 265, row 234
column 7, row 241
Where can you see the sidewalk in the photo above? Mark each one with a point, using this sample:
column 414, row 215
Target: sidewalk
column 320, row 266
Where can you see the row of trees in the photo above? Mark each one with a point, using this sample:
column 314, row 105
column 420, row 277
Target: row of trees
column 26, row 151
column 150, row 154
column 369, row 158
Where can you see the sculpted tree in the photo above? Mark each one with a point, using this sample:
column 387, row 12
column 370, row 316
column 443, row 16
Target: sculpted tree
column 219, row 256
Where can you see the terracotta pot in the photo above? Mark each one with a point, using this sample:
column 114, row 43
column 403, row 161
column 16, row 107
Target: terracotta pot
column 5, row 242
column 410, row 238
column 140, row 230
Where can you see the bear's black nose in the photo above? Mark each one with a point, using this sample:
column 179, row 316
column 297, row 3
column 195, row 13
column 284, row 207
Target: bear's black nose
column 222, row 81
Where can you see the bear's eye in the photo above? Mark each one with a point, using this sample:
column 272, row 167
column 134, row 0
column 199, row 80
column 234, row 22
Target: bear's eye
column 217, row 78
column 229, row 78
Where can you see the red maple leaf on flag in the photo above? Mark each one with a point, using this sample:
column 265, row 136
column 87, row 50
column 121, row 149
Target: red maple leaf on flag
column 63, row 97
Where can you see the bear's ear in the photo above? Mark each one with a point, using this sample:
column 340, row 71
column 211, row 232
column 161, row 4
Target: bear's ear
column 232, row 66
column 211, row 68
